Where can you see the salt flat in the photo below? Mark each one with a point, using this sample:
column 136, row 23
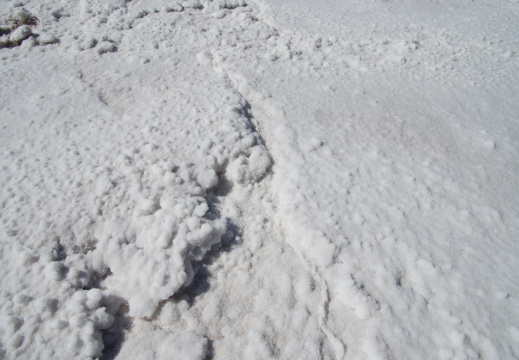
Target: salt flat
column 261, row 179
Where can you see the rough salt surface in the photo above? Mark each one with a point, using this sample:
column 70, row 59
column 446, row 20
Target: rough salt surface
column 258, row 179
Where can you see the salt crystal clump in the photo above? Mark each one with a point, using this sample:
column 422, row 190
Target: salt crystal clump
column 47, row 39
column 11, row 324
column 158, row 263
column 23, row 16
column 207, row 178
column 20, row 34
column 106, row 47
column 192, row 4
column 4, row 41
column 73, row 317
column 249, row 169
column 53, row 271
column 27, row 257
column 201, row 209
column 80, row 322
column 231, row 4
column 16, row 341
column 174, row 8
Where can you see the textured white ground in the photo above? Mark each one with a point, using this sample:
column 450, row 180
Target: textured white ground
column 259, row 179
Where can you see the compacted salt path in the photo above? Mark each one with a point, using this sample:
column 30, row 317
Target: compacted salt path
column 261, row 179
